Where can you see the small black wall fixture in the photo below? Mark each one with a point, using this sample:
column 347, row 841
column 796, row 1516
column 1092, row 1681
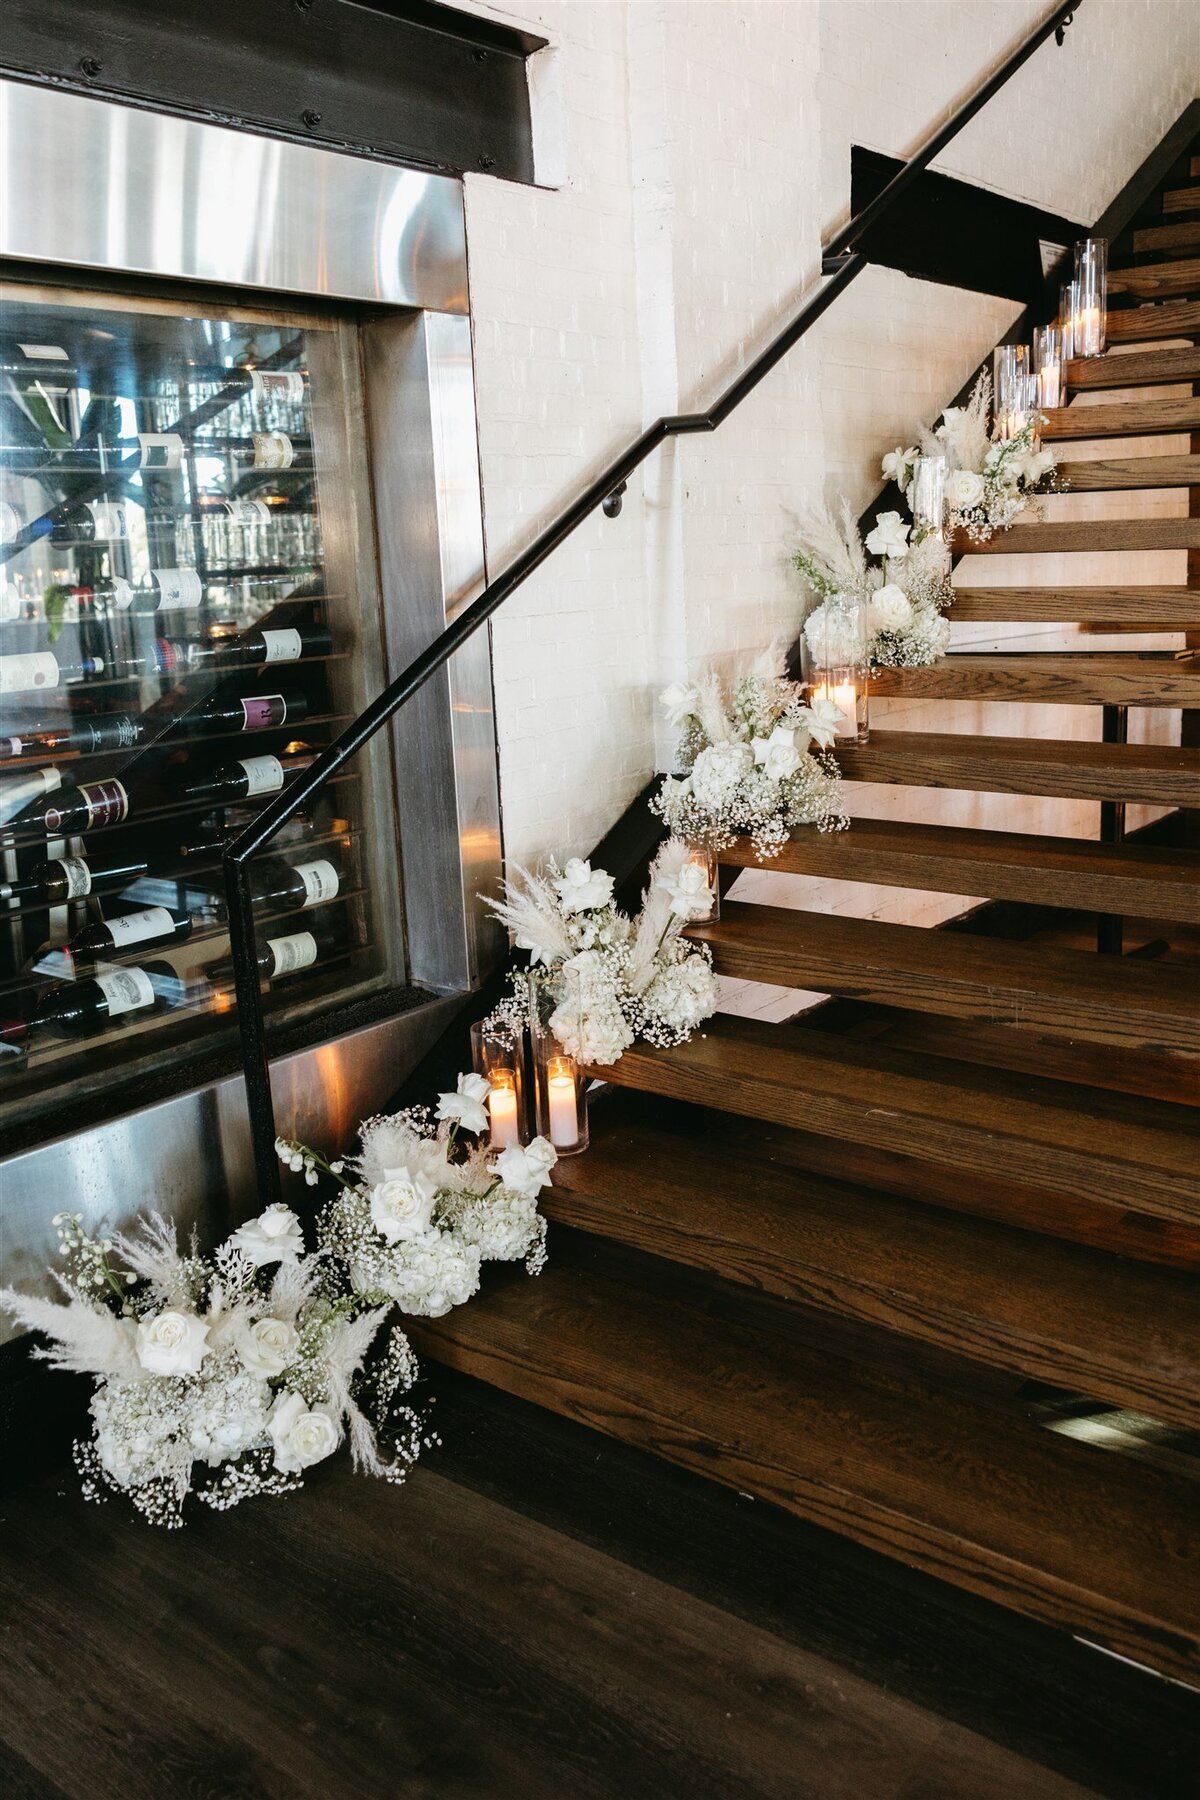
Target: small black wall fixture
column 842, row 263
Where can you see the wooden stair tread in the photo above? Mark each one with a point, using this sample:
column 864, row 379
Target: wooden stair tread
column 1064, row 1136
column 1125, row 605
column 1143, row 324
column 1157, row 774
column 1108, row 474
column 1135, row 879
column 1143, row 368
column 1177, row 239
column 1154, row 281
column 1052, row 1528
column 1067, row 678
column 1053, row 536
column 1181, row 200
column 1061, row 1313
column 1137, row 418
column 1072, row 992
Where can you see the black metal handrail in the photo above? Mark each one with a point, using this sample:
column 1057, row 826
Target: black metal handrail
column 604, row 491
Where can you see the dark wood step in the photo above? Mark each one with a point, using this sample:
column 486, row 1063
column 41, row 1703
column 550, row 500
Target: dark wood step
column 1045, row 537
column 1135, row 879
column 1177, row 608
column 1147, row 368
column 1140, row 418
column 1095, row 678
column 1065, row 1137
column 1143, row 324
column 1084, row 1540
column 1175, row 240
column 1181, row 200
column 1071, row 993
column 1058, row 1312
column 1156, row 774
column 1107, row 474
column 1157, row 281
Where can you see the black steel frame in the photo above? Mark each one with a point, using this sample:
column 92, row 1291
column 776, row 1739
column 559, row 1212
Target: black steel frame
column 841, row 264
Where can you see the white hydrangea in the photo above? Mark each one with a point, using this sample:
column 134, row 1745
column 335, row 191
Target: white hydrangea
column 146, row 1428
column 426, row 1276
column 834, row 632
column 683, row 995
column 718, row 772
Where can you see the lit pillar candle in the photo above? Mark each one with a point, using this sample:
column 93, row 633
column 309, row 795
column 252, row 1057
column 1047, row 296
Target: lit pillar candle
column 845, row 697
column 562, row 1101
column 502, row 1107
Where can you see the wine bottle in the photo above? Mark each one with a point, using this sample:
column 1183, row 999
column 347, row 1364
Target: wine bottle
column 277, row 885
column 81, row 1007
column 19, row 794
column 287, row 954
column 31, row 670
column 251, row 712
column 65, row 878
column 140, row 925
column 116, row 731
column 168, row 590
column 88, row 807
column 246, row 779
column 276, row 644
column 95, row 522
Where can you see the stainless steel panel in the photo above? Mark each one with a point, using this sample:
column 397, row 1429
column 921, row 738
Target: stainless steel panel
column 88, row 182
column 422, row 434
column 189, row 1157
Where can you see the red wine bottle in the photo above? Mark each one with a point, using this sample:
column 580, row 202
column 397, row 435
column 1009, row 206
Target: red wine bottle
column 247, row 779
column 96, row 522
column 140, row 925
column 252, row 712
column 39, row 670
column 274, row 644
column 113, row 731
column 280, row 886
column 65, row 878
column 90, row 806
column 81, row 1007
column 281, row 954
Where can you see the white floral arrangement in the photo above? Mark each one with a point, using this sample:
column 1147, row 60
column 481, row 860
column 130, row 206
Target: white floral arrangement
column 419, row 1210
column 892, row 612
column 224, row 1376
column 621, row 978
column 990, row 480
column 755, row 761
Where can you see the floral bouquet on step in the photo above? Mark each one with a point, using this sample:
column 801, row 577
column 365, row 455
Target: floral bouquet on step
column 223, row 1376
column 419, row 1209
column 902, row 600
column 755, row 760
column 990, row 480
column 623, row 978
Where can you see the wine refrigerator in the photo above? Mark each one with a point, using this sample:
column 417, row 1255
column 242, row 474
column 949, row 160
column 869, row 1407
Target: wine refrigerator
column 238, row 490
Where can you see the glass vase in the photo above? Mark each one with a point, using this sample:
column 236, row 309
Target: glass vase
column 499, row 1056
column 705, row 857
column 559, row 1085
column 839, row 665
column 1068, row 308
column 1048, row 367
column 929, row 496
column 1091, row 282
column 1011, row 389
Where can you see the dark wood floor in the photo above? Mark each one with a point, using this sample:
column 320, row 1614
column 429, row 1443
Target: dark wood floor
column 538, row 1613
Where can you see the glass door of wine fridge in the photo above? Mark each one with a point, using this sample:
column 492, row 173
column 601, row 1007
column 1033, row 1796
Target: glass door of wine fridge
column 188, row 613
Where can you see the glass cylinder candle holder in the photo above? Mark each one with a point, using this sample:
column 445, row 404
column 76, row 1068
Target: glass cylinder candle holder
column 1048, row 367
column 705, row 857
column 559, row 1085
column 1011, row 389
column 499, row 1056
column 928, row 496
column 1091, row 282
column 1068, row 307
column 839, row 663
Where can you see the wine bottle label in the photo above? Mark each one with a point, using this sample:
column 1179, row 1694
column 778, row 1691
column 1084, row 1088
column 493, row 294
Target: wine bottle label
column 125, row 990
column 117, row 733
column 283, row 384
column 10, row 520
column 248, row 512
column 299, row 951
column 107, row 803
column 264, row 774
column 36, row 669
column 44, row 352
column 263, row 711
column 178, row 587
column 123, row 592
column 273, row 450
column 320, row 880
column 160, row 449
column 136, row 927
column 18, row 790
column 109, row 518
column 77, row 875
column 282, row 646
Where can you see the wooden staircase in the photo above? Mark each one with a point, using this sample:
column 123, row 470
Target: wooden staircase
column 919, row 1264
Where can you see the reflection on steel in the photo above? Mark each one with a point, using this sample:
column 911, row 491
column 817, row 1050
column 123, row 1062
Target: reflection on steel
column 94, row 184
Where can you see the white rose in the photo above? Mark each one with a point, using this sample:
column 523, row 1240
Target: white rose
column 275, row 1236
column 964, row 489
column 889, row 537
column 899, row 466
column 267, row 1347
column 679, row 701
column 402, row 1204
column 467, row 1105
column 300, row 1437
column 691, row 896
column 891, row 608
column 580, row 887
column 824, row 720
column 777, row 755
column 526, row 1171
column 1037, row 464
column 172, row 1343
